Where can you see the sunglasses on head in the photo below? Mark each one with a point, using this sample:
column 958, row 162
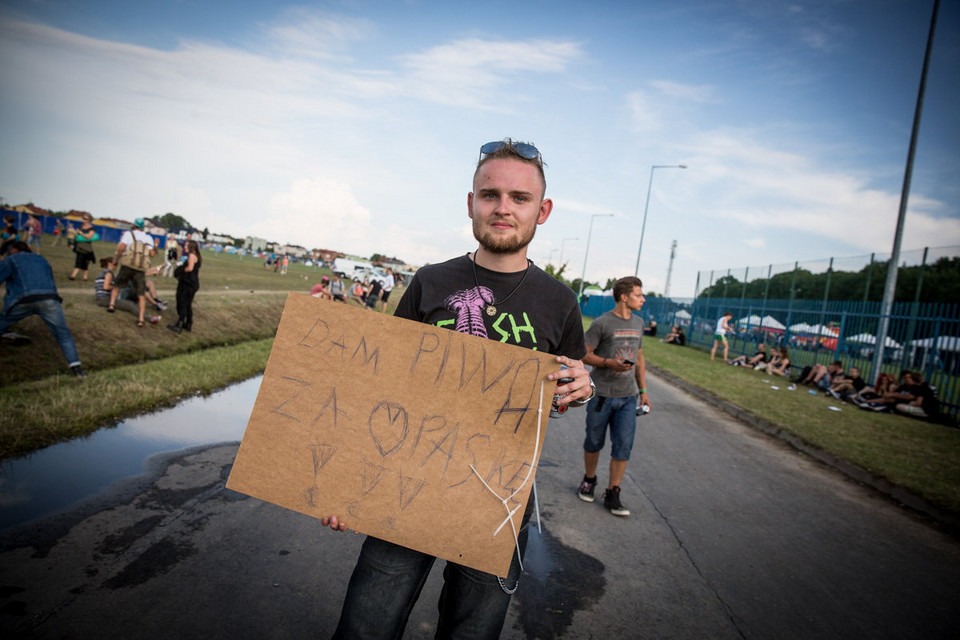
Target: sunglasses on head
column 522, row 149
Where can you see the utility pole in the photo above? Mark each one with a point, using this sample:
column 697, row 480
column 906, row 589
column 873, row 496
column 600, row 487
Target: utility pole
column 890, row 287
column 673, row 254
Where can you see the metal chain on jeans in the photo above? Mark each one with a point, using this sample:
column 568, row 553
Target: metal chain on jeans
column 509, row 592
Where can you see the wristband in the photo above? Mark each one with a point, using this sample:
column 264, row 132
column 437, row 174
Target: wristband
column 582, row 401
column 642, row 391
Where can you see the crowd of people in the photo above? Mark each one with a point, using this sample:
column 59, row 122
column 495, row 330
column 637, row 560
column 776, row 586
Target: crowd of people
column 371, row 292
column 472, row 293
column 126, row 280
column 124, row 283
column 911, row 395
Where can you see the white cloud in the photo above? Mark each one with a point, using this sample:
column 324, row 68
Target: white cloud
column 317, row 212
column 692, row 93
column 645, row 117
column 466, row 72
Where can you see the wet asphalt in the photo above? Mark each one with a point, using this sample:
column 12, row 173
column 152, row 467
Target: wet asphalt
column 733, row 534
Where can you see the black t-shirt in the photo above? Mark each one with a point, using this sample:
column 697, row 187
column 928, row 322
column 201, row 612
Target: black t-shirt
column 542, row 314
column 858, row 384
column 929, row 403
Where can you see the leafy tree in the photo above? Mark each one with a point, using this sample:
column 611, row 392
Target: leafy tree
column 938, row 282
column 557, row 272
column 173, row 221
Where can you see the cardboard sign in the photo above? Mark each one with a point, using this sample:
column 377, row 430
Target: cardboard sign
column 415, row 434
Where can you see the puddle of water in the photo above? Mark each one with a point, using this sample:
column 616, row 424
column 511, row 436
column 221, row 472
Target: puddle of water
column 54, row 478
column 558, row 582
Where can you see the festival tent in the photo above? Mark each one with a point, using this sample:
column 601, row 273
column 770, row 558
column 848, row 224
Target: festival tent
column 945, row 351
column 766, row 323
column 869, row 338
column 894, row 348
column 682, row 318
column 824, row 330
column 942, row 343
column 769, row 322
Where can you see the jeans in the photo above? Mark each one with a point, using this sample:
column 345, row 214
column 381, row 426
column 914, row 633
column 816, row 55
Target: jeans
column 621, row 415
column 388, row 579
column 52, row 314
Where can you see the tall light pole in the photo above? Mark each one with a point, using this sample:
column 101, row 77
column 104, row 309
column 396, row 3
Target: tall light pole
column 587, row 250
column 643, row 227
column 563, row 242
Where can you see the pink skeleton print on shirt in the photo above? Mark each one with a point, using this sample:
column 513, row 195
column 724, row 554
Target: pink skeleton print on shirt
column 468, row 304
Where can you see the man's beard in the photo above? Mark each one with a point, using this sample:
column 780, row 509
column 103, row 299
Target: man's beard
column 500, row 245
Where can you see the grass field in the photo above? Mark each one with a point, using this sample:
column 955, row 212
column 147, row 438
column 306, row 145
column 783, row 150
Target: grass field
column 236, row 314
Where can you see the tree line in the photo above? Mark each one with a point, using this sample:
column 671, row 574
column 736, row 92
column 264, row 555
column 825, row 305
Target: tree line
column 938, row 282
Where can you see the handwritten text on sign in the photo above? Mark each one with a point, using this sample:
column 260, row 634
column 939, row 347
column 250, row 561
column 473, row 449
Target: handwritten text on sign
column 395, row 427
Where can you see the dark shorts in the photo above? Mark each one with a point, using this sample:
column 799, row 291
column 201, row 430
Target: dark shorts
column 620, row 415
column 83, row 260
column 136, row 280
column 385, row 296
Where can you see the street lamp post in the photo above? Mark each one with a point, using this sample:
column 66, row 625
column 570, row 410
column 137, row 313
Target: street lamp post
column 586, row 252
column 643, row 226
column 563, row 242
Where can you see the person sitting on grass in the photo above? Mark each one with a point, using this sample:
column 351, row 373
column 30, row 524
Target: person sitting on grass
column 849, row 384
column 821, row 376
column 886, row 383
column 320, row 290
column 924, row 404
column 126, row 299
column 780, row 366
column 890, row 397
column 676, row 336
column 760, row 356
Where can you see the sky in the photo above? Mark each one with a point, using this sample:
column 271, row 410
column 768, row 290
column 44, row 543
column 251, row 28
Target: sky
column 356, row 126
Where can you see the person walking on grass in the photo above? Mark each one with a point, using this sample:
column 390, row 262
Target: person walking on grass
column 31, row 291
column 188, row 283
column 83, row 241
column 134, row 251
column 388, row 284
column 720, row 335
column 615, row 351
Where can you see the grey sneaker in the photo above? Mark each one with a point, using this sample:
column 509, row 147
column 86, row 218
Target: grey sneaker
column 611, row 500
column 585, row 492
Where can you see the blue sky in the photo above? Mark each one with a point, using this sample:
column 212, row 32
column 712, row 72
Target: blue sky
column 355, row 125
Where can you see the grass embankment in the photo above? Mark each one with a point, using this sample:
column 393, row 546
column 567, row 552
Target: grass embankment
column 916, row 455
column 133, row 369
column 236, row 314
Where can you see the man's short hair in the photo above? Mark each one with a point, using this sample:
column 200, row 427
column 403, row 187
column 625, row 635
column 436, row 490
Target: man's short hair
column 507, row 151
column 21, row 246
column 624, row 286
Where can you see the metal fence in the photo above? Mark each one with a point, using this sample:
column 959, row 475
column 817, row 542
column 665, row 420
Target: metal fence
column 921, row 337
column 838, row 278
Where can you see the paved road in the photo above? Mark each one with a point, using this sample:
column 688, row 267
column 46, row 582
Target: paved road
column 733, row 535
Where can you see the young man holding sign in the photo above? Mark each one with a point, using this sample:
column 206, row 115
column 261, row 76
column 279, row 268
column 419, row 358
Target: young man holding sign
column 494, row 292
